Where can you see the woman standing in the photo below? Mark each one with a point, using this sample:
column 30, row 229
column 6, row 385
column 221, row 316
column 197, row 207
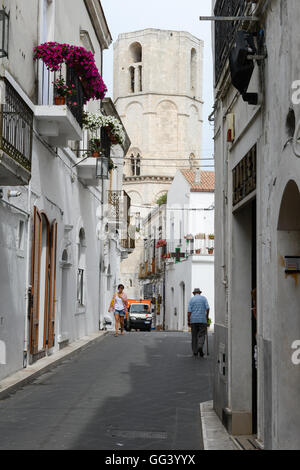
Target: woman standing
column 119, row 305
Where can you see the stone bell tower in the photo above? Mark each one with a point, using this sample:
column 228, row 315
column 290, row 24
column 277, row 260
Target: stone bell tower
column 158, row 95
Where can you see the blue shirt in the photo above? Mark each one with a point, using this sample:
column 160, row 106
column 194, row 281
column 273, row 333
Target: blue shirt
column 198, row 306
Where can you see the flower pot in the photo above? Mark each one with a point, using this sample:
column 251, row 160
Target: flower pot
column 210, row 251
column 59, row 100
column 95, row 154
column 198, row 252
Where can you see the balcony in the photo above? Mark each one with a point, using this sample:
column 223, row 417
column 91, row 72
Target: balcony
column 60, row 123
column 225, row 30
column 87, row 167
column 16, row 120
column 119, row 214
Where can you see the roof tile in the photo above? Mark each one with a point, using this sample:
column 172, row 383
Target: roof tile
column 207, row 179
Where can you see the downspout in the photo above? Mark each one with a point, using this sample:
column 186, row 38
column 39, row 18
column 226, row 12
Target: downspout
column 28, row 286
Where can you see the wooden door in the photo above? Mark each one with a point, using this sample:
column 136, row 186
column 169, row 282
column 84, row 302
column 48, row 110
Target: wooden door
column 35, row 281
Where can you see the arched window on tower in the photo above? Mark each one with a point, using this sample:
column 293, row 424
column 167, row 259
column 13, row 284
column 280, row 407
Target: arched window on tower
column 132, row 78
column 135, row 163
column 140, row 78
column 136, row 52
column 138, row 165
column 136, row 71
column 193, row 69
column 132, row 162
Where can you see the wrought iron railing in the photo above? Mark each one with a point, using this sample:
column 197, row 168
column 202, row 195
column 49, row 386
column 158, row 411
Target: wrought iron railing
column 16, row 120
column 78, row 97
column 71, row 78
column 225, row 30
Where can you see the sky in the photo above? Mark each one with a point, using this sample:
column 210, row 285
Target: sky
column 124, row 16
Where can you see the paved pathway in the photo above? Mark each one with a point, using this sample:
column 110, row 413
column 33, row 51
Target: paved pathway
column 139, row 391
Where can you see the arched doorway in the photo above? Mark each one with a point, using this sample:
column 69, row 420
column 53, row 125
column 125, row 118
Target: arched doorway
column 286, row 325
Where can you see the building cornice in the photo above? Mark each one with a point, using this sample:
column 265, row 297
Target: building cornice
column 134, row 95
column 154, row 179
column 99, row 23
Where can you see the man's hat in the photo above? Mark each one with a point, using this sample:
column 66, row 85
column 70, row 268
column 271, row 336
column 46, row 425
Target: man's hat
column 197, row 291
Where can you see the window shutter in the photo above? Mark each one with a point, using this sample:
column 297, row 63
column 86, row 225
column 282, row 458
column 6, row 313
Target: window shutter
column 35, row 281
column 51, row 317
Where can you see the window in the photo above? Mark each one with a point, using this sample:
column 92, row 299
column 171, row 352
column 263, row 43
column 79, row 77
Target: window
column 138, row 165
column 140, row 78
column 135, row 162
column 80, row 278
column 132, row 78
column 136, row 52
column 81, row 267
column 193, row 69
column 136, row 72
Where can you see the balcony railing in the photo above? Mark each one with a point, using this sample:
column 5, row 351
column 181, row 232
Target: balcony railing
column 225, row 30
column 16, row 120
column 70, row 78
column 78, row 97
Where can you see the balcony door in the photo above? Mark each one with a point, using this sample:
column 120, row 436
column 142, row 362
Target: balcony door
column 42, row 311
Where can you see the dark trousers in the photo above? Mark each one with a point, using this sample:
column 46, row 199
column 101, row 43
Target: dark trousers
column 198, row 336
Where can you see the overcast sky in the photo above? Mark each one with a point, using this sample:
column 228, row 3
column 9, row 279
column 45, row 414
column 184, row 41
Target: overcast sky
column 124, row 16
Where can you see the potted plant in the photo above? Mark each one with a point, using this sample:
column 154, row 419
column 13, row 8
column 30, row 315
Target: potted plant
column 211, row 236
column 210, row 250
column 95, row 146
column 94, row 121
column 198, row 251
column 62, row 91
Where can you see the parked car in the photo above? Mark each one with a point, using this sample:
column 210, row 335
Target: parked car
column 139, row 316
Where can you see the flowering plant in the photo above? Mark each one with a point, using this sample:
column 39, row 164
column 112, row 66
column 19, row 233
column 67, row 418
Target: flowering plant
column 93, row 121
column 54, row 55
column 161, row 243
column 62, row 89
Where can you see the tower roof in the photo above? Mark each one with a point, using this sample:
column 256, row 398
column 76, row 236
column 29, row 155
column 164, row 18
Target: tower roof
column 207, row 179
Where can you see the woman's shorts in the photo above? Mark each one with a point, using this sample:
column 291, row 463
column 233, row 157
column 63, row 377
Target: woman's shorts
column 120, row 312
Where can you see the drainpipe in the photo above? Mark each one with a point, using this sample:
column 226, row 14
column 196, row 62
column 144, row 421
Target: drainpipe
column 27, row 282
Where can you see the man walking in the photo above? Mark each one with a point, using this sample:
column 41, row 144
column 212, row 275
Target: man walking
column 198, row 312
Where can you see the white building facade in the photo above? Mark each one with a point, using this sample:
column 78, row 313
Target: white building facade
column 59, row 263
column 190, row 249
column 257, row 371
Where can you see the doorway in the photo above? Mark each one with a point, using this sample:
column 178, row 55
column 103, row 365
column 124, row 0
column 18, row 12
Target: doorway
column 43, row 281
column 242, row 346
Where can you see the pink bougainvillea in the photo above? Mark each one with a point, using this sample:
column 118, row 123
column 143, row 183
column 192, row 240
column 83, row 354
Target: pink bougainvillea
column 54, row 55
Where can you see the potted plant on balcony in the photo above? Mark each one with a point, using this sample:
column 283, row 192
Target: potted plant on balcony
column 95, row 146
column 210, row 250
column 63, row 91
column 94, row 121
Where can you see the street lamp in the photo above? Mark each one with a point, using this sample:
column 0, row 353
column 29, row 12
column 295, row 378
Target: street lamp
column 102, row 168
column 4, row 32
